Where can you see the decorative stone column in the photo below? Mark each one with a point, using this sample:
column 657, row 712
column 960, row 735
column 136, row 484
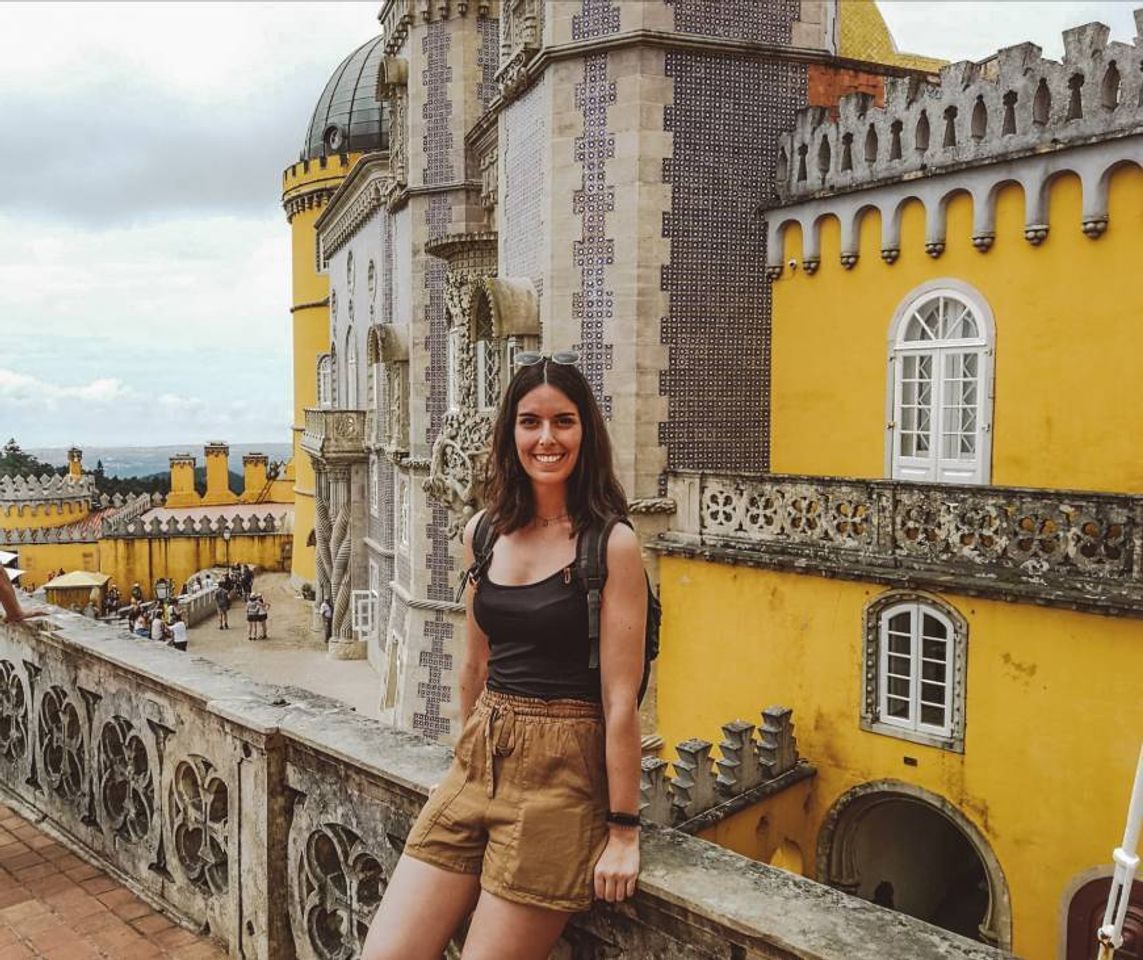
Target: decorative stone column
column 340, row 548
column 323, row 529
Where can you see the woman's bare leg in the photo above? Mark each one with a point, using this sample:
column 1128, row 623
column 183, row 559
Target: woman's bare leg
column 502, row 930
column 421, row 910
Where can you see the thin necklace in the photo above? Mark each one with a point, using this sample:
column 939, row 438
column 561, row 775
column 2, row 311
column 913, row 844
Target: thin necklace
column 548, row 521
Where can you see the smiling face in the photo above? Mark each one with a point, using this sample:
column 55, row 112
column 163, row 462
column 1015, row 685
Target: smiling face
column 548, row 433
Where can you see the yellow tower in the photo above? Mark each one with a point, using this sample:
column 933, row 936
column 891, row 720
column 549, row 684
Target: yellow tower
column 183, row 493
column 347, row 122
column 217, row 476
column 255, row 467
column 75, row 463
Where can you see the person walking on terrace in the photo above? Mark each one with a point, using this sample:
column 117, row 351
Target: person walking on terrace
column 538, row 814
column 222, row 605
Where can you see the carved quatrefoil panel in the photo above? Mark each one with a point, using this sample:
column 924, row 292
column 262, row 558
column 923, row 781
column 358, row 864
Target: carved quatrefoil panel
column 200, row 805
column 126, row 787
column 13, row 714
column 60, row 739
column 342, row 882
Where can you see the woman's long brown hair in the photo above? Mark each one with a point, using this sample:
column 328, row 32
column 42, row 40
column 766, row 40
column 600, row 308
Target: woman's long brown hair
column 594, row 493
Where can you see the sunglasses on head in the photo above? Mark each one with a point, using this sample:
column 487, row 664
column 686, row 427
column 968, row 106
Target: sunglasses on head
column 529, row 358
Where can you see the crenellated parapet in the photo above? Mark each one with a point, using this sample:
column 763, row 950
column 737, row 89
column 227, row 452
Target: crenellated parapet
column 49, row 488
column 196, row 526
column 704, row 791
column 1014, row 103
column 1016, row 118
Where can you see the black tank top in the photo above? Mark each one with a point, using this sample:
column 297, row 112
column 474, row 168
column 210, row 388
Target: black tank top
column 537, row 637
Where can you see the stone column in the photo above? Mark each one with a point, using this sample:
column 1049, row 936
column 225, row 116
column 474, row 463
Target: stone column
column 323, row 529
column 340, row 550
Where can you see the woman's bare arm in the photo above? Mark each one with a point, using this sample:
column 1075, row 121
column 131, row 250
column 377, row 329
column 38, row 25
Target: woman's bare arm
column 11, row 603
column 474, row 662
column 622, row 625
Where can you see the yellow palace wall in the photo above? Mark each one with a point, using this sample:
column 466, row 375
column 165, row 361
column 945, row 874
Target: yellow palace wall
column 1053, row 711
column 1069, row 344
column 143, row 560
column 42, row 516
column 42, row 561
column 1052, row 719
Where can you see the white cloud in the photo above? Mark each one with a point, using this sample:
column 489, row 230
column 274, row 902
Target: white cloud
column 976, row 29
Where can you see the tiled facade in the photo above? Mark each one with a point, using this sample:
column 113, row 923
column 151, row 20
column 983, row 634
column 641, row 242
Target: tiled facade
column 618, row 185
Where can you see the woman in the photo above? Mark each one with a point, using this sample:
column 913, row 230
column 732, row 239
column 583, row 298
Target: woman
column 527, row 825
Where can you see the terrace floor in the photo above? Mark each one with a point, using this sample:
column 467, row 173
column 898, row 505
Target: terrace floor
column 57, row 906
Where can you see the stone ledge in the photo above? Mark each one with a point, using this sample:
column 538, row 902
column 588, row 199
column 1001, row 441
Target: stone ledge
column 274, row 743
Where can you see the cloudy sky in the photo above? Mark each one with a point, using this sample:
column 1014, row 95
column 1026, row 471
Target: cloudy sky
column 144, row 256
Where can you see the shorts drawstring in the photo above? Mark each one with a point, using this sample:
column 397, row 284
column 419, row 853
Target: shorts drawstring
column 504, row 744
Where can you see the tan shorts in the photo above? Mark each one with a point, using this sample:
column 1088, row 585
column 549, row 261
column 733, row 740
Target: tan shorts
column 524, row 803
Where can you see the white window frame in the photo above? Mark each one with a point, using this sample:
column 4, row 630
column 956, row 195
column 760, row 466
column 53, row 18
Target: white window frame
column 351, row 369
column 935, row 467
column 453, row 372
column 403, row 515
column 917, row 613
column 325, row 381
column 875, row 715
column 363, row 605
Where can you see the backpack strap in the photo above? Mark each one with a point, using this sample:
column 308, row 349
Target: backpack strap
column 591, row 565
column 484, row 538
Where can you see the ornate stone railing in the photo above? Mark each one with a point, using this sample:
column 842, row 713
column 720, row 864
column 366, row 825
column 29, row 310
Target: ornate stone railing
column 273, row 818
column 332, row 434
column 202, row 526
column 1051, row 546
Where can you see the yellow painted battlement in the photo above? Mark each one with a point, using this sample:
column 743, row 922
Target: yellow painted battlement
column 316, row 173
column 31, row 516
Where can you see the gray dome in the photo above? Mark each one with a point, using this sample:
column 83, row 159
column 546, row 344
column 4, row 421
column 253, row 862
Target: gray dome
column 348, row 117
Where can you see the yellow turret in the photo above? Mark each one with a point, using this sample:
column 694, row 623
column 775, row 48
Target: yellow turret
column 183, row 493
column 75, row 463
column 217, row 476
column 254, row 477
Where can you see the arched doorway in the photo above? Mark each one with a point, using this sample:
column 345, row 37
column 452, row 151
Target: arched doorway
column 1085, row 917
column 899, row 846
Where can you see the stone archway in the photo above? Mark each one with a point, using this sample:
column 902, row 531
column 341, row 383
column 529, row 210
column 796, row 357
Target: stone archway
column 900, row 846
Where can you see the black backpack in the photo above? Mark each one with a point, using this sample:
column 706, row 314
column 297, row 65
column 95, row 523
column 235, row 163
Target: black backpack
column 591, row 571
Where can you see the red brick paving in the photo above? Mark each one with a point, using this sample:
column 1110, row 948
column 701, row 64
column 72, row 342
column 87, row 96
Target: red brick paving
column 55, row 906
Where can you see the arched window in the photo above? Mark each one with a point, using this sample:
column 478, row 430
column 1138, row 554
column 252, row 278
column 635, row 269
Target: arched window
column 325, row 381
column 940, row 381
column 915, row 652
column 488, row 357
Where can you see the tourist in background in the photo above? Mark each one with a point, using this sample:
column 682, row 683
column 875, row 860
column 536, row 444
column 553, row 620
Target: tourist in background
column 179, row 632
column 140, row 626
column 326, row 612
column 263, row 616
column 222, row 605
column 158, row 628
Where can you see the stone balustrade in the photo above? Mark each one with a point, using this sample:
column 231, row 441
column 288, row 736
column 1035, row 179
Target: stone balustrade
column 272, row 818
column 1060, row 547
column 332, row 434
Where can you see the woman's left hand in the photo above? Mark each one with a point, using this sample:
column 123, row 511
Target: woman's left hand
column 617, row 870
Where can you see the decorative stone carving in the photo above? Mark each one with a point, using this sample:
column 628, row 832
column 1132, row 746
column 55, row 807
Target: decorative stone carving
column 63, row 756
column 738, row 767
column 13, row 714
column 341, row 884
column 778, row 750
column 392, row 85
column 123, row 778
column 200, row 816
column 693, row 789
column 463, row 444
column 519, row 42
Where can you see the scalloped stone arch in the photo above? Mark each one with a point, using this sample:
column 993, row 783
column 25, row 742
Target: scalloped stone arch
column 836, row 859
